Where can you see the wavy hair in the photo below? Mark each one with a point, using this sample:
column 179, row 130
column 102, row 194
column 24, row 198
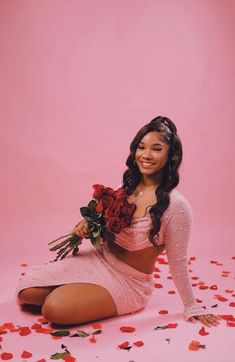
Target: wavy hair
column 169, row 177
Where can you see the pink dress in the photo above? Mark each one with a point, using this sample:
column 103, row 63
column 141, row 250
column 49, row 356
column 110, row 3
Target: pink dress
column 129, row 288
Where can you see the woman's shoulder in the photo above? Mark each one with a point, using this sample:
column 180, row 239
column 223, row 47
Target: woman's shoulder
column 178, row 204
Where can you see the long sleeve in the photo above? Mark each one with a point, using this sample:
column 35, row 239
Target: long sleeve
column 178, row 219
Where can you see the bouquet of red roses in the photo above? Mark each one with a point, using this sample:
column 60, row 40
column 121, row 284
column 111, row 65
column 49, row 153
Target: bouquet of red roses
column 107, row 213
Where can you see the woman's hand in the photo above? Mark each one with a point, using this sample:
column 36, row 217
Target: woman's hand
column 81, row 229
column 208, row 319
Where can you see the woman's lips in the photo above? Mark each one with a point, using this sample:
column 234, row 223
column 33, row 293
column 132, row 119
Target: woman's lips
column 146, row 164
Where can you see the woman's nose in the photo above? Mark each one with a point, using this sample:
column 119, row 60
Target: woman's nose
column 147, row 154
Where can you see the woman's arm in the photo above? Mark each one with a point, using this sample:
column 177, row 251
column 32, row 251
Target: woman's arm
column 177, row 231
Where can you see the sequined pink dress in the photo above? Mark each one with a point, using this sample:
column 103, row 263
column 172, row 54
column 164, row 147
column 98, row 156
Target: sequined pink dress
column 129, row 288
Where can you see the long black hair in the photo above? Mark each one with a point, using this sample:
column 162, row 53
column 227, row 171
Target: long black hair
column 169, row 177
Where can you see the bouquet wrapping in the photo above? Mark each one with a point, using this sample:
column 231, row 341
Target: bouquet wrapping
column 106, row 214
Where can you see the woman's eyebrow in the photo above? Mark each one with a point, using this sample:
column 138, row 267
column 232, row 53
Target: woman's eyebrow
column 155, row 144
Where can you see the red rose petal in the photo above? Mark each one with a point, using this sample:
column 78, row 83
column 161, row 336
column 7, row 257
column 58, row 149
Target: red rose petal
column 8, row 325
column 192, row 258
column 171, row 325
column 203, row 332
column 171, row 292
column 96, row 326
column 213, row 287
column 24, row 331
column 139, row 343
column 93, row 339
column 198, row 300
column 231, row 324
column 163, row 311
column 158, row 285
column 124, row 345
column 44, row 330
column 2, row 330
column 69, row 359
column 1, row 339
column 232, row 304
column 194, row 345
column 227, row 317
column 203, row 287
column 228, row 290
column 26, row 354
column 127, row 329
column 220, row 298
column 35, row 326
column 6, row 356
column 23, row 264
column 194, row 278
column 56, row 337
column 233, row 257
column 156, row 276
column 42, row 320
column 41, row 360
column 156, row 269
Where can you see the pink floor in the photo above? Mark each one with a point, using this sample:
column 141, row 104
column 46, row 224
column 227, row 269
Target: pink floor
column 159, row 345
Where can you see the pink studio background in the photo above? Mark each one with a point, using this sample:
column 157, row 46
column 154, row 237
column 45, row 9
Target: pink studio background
column 78, row 79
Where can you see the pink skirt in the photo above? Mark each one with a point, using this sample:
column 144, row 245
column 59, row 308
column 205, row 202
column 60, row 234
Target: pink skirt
column 129, row 288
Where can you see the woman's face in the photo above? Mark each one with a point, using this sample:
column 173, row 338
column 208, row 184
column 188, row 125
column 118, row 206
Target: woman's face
column 151, row 154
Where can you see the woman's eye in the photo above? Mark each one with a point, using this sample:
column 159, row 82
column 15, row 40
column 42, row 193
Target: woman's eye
column 140, row 147
column 157, row 149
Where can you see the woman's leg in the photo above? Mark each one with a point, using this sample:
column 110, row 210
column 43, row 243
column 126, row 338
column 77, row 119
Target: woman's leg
column 78, row 303
column 35, row 295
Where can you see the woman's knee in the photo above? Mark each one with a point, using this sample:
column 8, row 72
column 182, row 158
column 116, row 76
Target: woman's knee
column 34, row 295
column 27, row 296
column 53, row 311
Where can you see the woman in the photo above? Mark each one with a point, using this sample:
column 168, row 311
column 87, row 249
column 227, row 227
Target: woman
column 117, row 279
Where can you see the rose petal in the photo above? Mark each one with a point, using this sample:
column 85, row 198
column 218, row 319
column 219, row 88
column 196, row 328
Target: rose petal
column 158, row 285
column 163, row 311
column 96, row 326
column 42, row 320
column 26, row 354
column 172, row 325
column 127, row 329
column 194, row 346
column 203, row 287
column 93, row 339
column 124, row 345
column 220, row 298
column 213, row 287
column 171, row 292
column 232, row 304
column 139, row 343
column 203, row 332
column 231, row 324
column 69, row 359
column 35, row 326
column 6, row 356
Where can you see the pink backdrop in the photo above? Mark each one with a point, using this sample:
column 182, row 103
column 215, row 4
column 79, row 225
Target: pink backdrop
column 79, row 78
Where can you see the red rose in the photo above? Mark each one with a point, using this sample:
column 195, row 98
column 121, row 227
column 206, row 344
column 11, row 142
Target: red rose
column 128, row 209
column 107, row 201
column 126, row 221
column 120, row 194
column 114, row 225
column 98, row 191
